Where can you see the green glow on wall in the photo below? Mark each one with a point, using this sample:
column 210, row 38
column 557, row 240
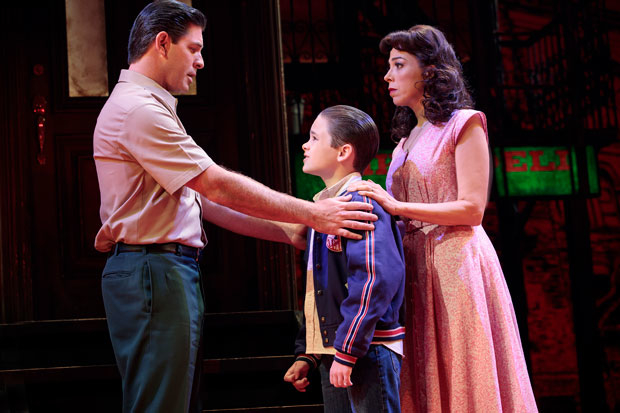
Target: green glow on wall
column 306, row 186
column 543, row 171
column 592, row 170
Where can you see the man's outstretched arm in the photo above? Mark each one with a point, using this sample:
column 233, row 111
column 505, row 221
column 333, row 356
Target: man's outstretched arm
column 243, row 224
column 243, row 194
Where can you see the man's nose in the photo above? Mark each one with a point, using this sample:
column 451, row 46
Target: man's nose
column 200, row 63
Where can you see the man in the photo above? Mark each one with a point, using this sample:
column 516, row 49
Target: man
column 156, row 186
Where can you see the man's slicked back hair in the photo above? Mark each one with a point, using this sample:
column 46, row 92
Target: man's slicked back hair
column 170, row 16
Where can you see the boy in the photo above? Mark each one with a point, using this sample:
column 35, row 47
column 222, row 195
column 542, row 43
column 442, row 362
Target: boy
column 354, row 289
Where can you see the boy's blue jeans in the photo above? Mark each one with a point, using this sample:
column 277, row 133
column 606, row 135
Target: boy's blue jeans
column 376, row 384
column 154, row 308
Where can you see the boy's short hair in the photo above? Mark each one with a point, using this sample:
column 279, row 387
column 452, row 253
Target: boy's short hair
column 347, row 124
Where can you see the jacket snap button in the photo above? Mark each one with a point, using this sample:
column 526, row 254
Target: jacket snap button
column 326, row 340
column 319, row 292
column 323, row 319
column 324, row 332
column 318, row 266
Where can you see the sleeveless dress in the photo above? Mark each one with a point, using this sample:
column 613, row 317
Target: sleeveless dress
column 462, row 349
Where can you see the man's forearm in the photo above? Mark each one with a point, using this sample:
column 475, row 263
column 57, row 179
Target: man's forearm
column 330, row 216
column 243, row 224
column 245, row 195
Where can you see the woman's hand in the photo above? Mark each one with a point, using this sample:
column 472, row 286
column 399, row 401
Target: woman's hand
column 375, row 191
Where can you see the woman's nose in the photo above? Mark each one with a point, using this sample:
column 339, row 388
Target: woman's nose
column 388, row 76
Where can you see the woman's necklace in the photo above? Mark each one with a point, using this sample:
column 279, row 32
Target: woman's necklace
column 414, row 136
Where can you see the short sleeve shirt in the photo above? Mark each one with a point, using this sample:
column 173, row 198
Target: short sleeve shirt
column 144, row 158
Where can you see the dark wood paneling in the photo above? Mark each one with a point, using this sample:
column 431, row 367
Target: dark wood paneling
column 50, row 211
column 15, row 252
column 79, row 199
column 268, row 143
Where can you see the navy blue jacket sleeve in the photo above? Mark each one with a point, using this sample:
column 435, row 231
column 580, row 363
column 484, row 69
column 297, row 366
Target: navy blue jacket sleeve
column 300, row 341
column 375, row 274
column 300, row 349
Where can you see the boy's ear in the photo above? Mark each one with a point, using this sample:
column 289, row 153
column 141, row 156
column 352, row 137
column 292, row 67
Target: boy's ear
column 345, row 152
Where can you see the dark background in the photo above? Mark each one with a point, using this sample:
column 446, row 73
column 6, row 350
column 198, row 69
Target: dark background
column 544, row 72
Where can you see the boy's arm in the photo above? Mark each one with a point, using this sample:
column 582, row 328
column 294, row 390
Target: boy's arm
column 297, row 374
column 376, row 273
column 300, row 340
column 300, row 349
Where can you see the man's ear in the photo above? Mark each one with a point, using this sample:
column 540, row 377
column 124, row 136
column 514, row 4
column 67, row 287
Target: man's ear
column 162, row 43
column 345, row 152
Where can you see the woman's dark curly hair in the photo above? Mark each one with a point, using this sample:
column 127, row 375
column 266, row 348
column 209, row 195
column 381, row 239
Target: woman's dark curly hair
column 445, row 89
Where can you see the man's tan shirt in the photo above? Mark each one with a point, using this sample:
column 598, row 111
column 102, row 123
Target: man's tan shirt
column 144, row 158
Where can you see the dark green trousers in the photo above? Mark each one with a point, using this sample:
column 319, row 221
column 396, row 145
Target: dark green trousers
column 155, row 309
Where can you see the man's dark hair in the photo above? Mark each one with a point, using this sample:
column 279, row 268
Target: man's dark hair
column 347, row 124
column 168, row 16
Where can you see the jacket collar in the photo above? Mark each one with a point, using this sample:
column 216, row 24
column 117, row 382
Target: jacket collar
column 338, row 188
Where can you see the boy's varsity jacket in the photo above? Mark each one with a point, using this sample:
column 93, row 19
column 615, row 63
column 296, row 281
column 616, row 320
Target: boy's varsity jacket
column 359, row 287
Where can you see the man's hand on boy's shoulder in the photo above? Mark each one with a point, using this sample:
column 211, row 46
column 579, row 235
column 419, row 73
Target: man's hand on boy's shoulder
column 340, row 375
column 338, row 216
column 297, row 375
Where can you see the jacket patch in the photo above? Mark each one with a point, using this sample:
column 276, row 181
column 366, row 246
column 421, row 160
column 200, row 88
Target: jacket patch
column 333, row 243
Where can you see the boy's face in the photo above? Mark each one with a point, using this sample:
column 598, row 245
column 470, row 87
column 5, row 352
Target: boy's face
column 320, row 158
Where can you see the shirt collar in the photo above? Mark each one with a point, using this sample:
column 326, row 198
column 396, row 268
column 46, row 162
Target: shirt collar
column 148, row 84
column 338, row 188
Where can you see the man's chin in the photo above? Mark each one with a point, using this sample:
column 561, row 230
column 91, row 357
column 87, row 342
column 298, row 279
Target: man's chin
column 179, row 91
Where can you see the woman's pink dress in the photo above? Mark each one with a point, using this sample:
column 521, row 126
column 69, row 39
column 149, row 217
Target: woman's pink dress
column 462, row 349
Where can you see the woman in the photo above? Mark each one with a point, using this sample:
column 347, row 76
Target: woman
column 462, row 348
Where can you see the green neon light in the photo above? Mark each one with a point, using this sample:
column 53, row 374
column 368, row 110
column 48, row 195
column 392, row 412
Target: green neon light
column 592, row 170
column 575, row 176
column 542, row 171
column 530, row 171
column 306, row 186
